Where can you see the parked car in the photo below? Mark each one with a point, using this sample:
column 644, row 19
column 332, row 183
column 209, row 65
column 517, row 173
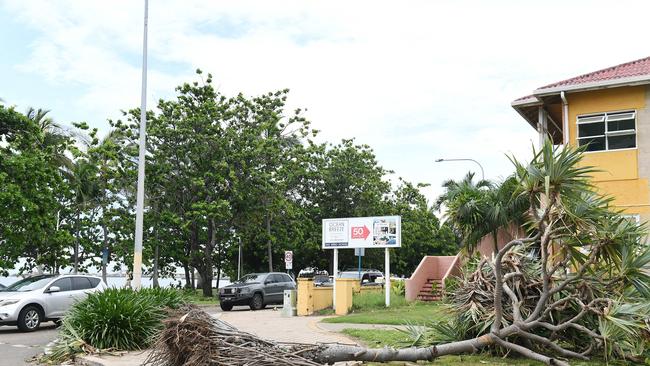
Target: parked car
column 321, row 277
column 32, row 300
column 256, row 290
column 368, row 277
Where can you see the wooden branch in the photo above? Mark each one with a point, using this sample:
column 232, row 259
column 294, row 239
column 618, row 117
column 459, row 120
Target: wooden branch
column 528, row 353
column 545, row 341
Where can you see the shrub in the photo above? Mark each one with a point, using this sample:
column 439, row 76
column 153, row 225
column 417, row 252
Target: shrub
column 165, row 297
column 398, row 287
column 116, row 319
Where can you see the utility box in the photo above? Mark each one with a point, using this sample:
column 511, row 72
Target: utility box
column 289, row 306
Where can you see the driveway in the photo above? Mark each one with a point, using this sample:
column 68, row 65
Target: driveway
column 16, row 347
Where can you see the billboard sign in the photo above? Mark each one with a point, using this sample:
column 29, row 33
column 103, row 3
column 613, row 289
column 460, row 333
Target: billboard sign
column 362, row 232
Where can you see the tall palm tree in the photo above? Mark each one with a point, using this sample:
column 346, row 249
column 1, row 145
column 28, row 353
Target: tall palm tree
column 476, row 209
column 504, row 206
column 54, row 137
column 466, row 208
column 86, row 191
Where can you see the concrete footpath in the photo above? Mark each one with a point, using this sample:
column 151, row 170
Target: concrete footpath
column 268, row 324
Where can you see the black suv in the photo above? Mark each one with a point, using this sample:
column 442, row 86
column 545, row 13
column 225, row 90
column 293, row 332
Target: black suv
column 256, row 290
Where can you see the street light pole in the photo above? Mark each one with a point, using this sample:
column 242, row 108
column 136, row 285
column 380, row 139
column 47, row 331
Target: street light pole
column 139, row 210
column 477, row 163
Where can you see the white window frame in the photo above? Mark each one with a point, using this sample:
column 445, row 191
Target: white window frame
column 635, row 217
column 603, row 117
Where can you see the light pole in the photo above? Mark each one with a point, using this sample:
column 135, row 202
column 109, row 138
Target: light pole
column 477, row 163
column 139, row 210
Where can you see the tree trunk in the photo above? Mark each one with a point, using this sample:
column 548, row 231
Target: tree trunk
column 155, row 266
column 218, row 276
column 207, row 272
column 104, row 262
column 268, row 241
column 495, row 237
column 329, row 354
column 218, row 267
column 76, row 246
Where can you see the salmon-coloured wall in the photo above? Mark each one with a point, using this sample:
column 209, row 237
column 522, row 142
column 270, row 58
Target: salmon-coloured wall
column 430, row 267
column 504, row 236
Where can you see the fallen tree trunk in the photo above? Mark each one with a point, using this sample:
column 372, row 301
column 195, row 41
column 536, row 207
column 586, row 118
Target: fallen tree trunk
column 331, row 353
column 196, row 339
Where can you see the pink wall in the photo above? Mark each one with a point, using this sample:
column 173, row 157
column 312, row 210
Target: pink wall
column 430, row 267
column 504, row 235
column 441, row 267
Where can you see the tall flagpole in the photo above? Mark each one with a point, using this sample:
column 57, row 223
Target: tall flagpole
column 139, row 210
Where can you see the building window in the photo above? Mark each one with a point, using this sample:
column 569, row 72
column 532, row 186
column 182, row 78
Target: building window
column 607, row 131
column 635, row 218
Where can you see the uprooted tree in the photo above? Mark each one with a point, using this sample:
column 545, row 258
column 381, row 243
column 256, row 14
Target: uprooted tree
column 572, row 287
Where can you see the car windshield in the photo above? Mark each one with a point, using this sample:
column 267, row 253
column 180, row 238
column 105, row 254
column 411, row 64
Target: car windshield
column 29, row 284
column 250, row 278
column 349, row 275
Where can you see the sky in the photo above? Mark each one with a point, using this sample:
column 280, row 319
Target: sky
column 415, row 80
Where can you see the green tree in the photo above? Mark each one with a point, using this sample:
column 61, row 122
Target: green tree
column 30, row 192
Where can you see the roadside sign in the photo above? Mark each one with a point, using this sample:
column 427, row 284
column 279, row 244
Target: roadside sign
column 288, row 259
column 359, row 252
column 362, row 232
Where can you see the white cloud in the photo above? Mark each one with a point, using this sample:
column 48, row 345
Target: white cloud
column 415, row 80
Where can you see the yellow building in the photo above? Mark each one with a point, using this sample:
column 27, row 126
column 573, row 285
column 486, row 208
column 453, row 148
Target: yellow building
column 609, row 111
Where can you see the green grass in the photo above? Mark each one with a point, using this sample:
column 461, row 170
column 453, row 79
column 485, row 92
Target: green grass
column 375, row 338
column 196, row 297
column 408, row 313
column 378, row 338
column 375, row 300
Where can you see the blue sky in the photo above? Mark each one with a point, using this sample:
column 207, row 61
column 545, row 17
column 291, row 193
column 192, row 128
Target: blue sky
column 416, row 80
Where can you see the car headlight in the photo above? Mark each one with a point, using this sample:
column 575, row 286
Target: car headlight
column 8, row 302
column 244, row 290
column 221, row 291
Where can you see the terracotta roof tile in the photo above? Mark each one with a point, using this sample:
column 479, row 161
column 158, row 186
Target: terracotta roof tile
column 629, row 69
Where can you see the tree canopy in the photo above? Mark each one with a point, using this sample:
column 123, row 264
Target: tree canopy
column 219, row 170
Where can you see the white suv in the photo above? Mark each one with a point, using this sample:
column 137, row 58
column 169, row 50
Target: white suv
column 36, row 299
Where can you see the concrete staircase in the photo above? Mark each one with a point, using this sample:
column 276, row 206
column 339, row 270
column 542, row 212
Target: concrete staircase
column 431, row 290
column 427, row 281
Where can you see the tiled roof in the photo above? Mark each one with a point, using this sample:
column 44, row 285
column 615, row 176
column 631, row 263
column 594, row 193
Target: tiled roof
column 629, row 69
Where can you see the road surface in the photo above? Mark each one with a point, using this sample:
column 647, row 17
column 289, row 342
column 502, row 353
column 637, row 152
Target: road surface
column 16, row 347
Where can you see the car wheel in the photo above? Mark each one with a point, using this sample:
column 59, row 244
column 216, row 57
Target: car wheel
column 256, row 302
column 29, row 319
column 225, row 307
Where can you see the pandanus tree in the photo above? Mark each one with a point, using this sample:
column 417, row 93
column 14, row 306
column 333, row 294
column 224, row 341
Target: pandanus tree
column 583, row 292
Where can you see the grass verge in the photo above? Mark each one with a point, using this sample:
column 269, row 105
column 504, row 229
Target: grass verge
column 410, row 313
